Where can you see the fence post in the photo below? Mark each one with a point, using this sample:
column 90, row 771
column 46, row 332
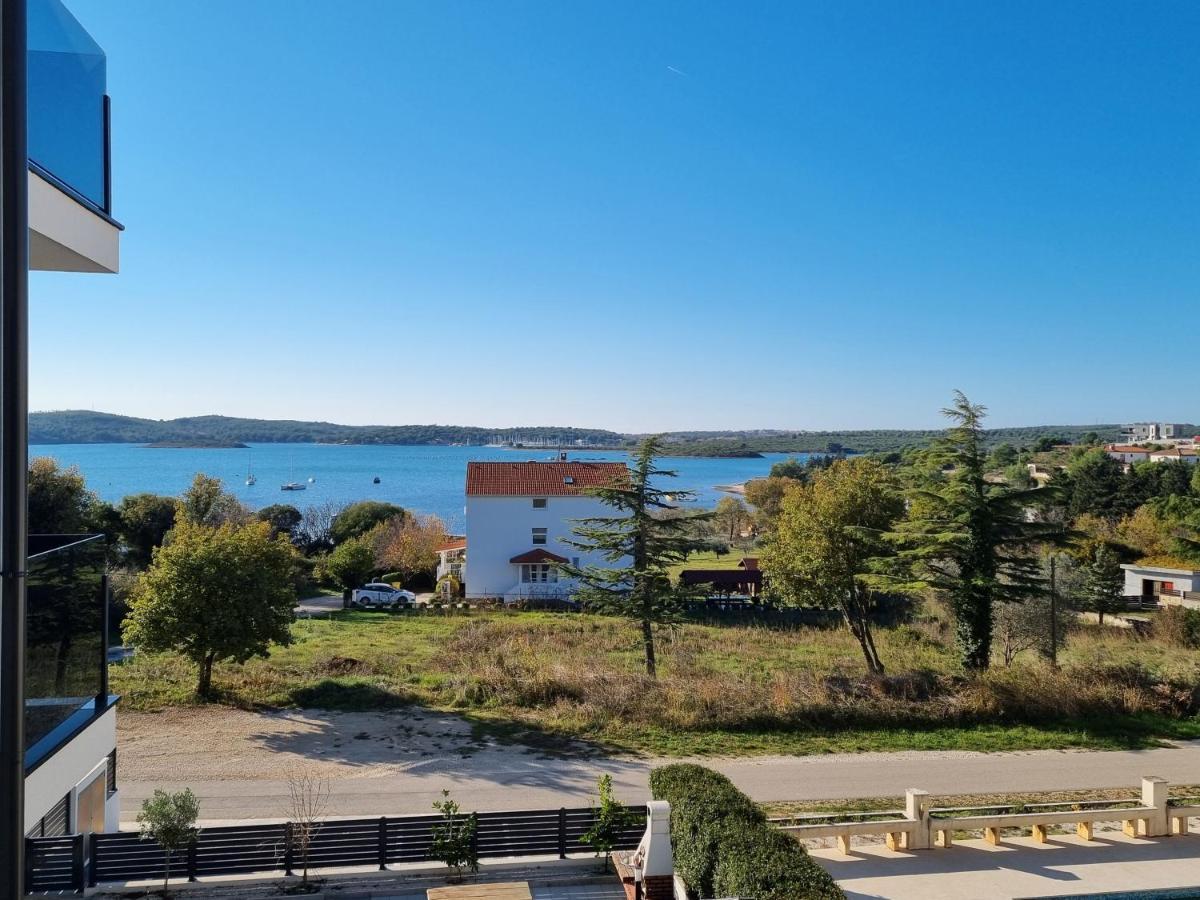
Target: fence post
column 1155, row 792
column 97, row 843
column 382, row 843
column 192, row 867
column 30, row 854
column 916, row 808
column 77, row 863
column 287, row 849
column 562, row 832
column 475, row 835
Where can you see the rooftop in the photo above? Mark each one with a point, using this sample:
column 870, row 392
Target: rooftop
column 541, row 479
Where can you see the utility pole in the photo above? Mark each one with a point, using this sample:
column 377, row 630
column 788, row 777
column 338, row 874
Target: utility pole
column 14, row 450
column 1053, row 610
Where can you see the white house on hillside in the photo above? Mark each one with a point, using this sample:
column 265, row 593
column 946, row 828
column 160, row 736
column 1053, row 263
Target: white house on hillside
column 520, row 516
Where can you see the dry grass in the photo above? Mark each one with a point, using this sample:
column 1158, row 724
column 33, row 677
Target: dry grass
column 720, row 690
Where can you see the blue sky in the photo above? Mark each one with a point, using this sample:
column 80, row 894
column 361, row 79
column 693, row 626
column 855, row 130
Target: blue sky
column 641, row 216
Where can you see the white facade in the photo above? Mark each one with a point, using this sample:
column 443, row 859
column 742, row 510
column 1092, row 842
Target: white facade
column 79, row 771
column 1147, row 581
column 500, row 528
column 66, row 236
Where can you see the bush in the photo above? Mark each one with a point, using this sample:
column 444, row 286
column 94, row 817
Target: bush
column 724, row 846
column 1178, row 626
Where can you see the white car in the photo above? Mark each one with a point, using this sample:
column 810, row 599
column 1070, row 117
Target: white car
column 378, row 595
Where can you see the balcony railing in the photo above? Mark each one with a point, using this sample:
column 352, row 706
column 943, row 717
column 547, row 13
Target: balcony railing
column 66, row 635
column 68, row 106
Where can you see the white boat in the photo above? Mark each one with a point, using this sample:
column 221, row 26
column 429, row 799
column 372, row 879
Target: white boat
column 250, row 479
column 294, row 486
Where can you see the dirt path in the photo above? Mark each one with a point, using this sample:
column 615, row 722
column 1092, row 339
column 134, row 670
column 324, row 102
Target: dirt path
column 399, row 761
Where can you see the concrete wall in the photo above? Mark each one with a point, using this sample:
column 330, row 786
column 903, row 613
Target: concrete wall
column 1181, row 580
column 65, row 236
column 71, row 768
column 499, row 528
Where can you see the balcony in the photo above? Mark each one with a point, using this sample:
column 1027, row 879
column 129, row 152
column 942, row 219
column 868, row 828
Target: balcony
column 70, row 188
column 66, row 634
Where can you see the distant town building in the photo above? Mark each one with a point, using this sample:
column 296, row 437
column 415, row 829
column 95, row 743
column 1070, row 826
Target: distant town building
column 1140, row 432
column 1127, row 453
column 1163, row 584
column 520, row 516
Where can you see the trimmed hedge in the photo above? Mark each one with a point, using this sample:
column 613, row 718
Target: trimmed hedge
column 724, row 846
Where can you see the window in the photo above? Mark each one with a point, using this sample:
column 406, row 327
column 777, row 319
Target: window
column 539, row 536
column 539, row 502
column 538, row 573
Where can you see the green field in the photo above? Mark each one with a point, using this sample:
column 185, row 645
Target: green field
column 545, row 678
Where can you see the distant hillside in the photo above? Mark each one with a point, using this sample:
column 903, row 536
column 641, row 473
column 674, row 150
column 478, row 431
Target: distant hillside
column 88, row 427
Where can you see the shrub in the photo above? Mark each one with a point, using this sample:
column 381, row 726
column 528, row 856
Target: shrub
column 724, row 846
column 1178, row 626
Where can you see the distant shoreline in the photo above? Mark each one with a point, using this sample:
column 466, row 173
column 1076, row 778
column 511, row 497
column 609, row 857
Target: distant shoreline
column 196, row 445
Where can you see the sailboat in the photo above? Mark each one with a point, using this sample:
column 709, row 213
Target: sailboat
column 250, row 479
column 292, row 484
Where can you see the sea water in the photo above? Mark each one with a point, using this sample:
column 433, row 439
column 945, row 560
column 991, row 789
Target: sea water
column 423, row 479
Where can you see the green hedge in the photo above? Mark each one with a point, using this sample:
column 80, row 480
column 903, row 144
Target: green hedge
column 724, row 846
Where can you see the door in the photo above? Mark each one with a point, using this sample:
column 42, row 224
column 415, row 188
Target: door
column 90, row 807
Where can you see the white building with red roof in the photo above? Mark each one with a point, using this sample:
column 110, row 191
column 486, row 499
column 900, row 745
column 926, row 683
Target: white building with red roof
column 520, row 517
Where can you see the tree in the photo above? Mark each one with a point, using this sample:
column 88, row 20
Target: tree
column 223, row 593
column 308, row 799
column 169, row 819
column 282, row 517
column 1104, row 582
column 766, row 496
column 826, row 536
column 314, row 534
column 352, row 562
column 454, row 838
column 59, row 499
column 731, row 516
column 1003, row 456
column 1096, row 483
column 609, row 820
column 145, row 520
column 408, row 544
column 1017, row 627
column 359, row 518
column 640, row 544
column 967, row 539
column 207, row 502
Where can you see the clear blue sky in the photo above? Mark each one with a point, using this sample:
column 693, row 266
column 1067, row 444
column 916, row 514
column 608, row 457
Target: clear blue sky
column 641, row 216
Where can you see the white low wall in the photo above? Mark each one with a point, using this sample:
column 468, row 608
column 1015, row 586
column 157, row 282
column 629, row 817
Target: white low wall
column 72, row 767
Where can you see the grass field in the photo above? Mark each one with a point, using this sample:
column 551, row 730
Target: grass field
column 710, row 560
column 542, row 677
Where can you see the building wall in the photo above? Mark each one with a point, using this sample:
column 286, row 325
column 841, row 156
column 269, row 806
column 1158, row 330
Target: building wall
column 71, row 768
column 499, row 528
column 1181, row 581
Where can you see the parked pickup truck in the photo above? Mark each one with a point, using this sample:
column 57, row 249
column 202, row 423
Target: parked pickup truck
column 378, row 595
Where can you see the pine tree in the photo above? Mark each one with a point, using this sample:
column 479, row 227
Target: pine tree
column 646, row 535
column 1104, row 582
column 966, row 539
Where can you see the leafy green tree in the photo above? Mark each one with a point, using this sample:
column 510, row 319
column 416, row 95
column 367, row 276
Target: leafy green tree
column 59, row 499
column 352, row 562
column 967, row 539
column 610, row 818
column 640, row 544
column 1003, row 456
column 145, row 520
column 169, row 819
column 359, row 518
column 223, row 593
column 766, row 496
column 1104, row 582
column 206, row 502
column 282, row 517
column 827, row 534
column 731, row 516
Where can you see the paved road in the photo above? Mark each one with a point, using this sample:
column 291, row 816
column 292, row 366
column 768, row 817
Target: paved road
column 515, row 778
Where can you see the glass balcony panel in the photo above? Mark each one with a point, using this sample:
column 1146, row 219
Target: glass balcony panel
column 64, row 658
column 67, row 84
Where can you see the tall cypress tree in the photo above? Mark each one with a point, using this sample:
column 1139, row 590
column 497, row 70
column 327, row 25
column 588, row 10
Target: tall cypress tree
column 1104, row 582
column 967, row 539
column 645, row 536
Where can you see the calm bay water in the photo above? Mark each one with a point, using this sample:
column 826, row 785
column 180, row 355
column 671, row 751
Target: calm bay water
column 423, row 479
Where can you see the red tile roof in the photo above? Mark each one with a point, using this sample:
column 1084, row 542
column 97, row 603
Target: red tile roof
column 454, row 544
column 541, row 479
column 538, row 555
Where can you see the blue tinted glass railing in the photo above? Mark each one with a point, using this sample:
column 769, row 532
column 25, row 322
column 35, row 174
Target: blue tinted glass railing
column 65, row 652
column 68, row 115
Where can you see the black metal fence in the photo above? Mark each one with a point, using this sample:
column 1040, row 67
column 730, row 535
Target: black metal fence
column 71, row 862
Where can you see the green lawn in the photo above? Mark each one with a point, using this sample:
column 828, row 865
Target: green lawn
column 710, row 560
column 544, row 678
